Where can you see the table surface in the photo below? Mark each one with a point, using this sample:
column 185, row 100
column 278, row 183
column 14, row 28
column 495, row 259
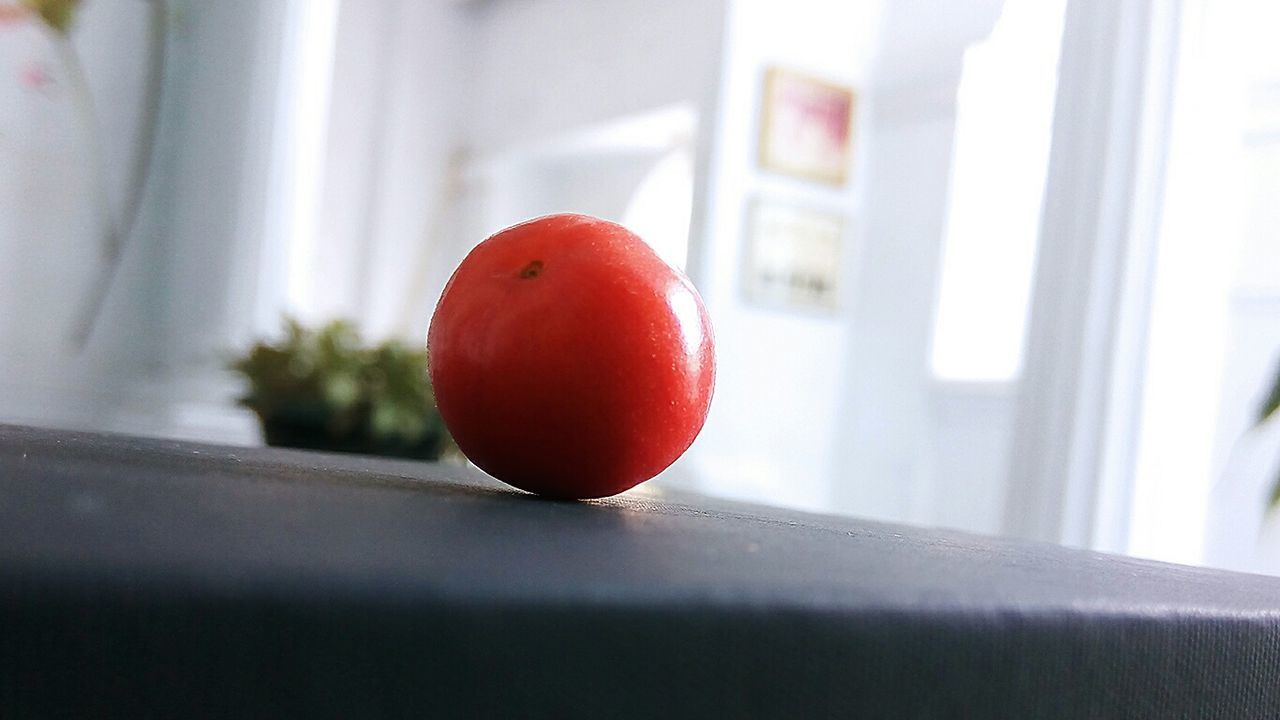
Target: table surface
column 159, row 577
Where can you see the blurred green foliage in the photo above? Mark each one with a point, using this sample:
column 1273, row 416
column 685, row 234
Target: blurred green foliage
column 57, row 14
column 323, row 389
column 1270, row 409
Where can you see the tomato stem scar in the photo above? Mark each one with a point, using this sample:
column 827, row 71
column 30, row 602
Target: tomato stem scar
column 533, row 269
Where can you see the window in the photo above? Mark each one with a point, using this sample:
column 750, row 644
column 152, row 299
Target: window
column 1001, row 153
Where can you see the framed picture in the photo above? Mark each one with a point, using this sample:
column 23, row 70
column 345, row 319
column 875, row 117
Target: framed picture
column 793, row 257
column 807, row 127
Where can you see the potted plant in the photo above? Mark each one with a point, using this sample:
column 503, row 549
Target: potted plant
column 322, row 389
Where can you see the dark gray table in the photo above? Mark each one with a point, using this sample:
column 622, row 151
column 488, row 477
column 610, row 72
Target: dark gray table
column 145, row 578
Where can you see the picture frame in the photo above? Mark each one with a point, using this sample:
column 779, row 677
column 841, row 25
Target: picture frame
column 793, row 257
column 806, row 128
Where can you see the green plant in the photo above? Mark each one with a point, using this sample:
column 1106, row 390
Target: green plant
column 1271, row 409
column 322, row 389
column 57, row 14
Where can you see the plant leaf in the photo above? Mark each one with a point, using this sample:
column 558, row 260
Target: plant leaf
column 57, row 14
column 1272, row 403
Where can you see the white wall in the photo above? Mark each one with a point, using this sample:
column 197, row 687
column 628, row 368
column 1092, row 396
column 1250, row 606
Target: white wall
column 771, row 431
column 542, row 69
column 969, row 442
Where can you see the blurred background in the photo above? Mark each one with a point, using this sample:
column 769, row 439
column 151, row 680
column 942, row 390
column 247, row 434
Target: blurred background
column 1006, row 266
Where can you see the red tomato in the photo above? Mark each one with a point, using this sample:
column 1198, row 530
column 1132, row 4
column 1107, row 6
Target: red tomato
column 569, row 360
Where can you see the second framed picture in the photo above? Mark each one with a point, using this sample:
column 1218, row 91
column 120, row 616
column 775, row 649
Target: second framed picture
column 794, row 257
